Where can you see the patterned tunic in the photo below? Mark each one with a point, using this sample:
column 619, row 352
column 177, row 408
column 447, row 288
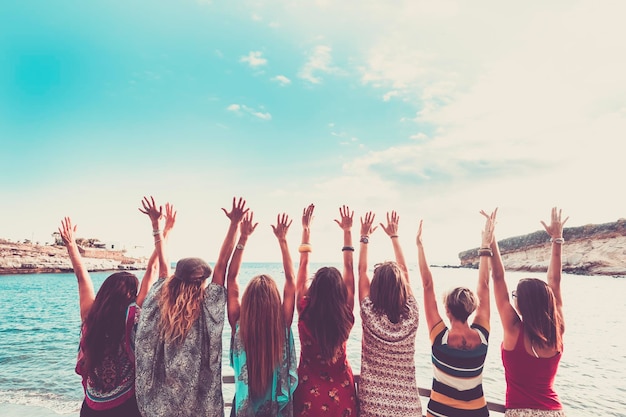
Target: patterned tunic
column 458, row 375
column 324, row 387
column 278, row 401
column 388, row 386
column 112, row 383
column 186, row 379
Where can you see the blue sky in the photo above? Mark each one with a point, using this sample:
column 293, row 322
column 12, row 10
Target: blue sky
column 435, row 109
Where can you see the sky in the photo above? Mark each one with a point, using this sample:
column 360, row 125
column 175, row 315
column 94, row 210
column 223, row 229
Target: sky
column 433, row 109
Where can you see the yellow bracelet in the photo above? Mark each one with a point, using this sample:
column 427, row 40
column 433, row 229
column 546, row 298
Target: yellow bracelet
column 305, row 247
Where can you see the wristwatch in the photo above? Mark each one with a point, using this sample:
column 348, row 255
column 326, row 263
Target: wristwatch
column 364, row 239
column 239, row 246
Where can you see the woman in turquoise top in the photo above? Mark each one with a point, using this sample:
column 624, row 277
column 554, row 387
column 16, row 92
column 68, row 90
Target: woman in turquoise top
column 262, row 349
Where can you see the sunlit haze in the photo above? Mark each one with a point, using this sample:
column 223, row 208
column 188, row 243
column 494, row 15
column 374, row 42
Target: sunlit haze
column 433, row 109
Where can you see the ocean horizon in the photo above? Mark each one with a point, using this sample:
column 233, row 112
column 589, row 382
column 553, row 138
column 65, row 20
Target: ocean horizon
column 40, row 327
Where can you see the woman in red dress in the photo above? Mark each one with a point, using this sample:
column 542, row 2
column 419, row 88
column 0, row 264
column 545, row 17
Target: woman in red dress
column 325, row 310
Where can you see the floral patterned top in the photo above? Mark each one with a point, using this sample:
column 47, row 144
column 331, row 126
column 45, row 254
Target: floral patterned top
column 388, row 386
column 186, row 379
column 325, row 387
column 278, row 401
column 113, row 382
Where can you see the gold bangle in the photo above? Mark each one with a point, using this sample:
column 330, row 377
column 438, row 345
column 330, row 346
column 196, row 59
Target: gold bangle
column 305, row 247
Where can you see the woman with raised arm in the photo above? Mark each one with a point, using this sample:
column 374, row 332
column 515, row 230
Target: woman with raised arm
column 179, row 338
column 459, row 351
column 389, row 314
column 106, row 358
column 262, row 350
column 533, row 334
column 325, row 311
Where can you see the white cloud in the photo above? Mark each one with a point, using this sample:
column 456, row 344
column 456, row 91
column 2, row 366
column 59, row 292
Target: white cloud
column 282, row 80
column 242, row 108
column 388, row 95
column 254, row 59
column 419, row 136
column 320, row 61
column 261, row 115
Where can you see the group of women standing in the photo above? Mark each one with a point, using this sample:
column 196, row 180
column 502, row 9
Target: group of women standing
column 154, row 348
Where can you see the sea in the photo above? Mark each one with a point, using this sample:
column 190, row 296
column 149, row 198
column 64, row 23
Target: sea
column 40, row 326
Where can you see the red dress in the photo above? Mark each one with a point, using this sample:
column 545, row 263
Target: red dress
column 325, row 388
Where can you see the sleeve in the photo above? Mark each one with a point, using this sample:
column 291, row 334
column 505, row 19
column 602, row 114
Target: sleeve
column 483, row 329
column 215, row 302
column 436, row 331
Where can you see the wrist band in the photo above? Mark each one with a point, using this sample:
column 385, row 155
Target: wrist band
column 558, row 240
column 157, row 241
column 392, row 236
column 485, row 252
column 305, row 247
column 364, row 239
column 156, row 232
column 347, row 248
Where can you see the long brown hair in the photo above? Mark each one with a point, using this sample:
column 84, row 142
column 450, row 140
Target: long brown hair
column 388, row 291
column 262, row 332
column 542, row 321
column 105, row 324
column 180, row 304
column 327, row 313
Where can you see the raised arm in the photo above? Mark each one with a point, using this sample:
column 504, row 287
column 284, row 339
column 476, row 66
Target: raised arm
column 392, row 231
column 158, row 255
column 235, row 215
column 508, row 316
column 86, row 293
column 304, row 249
column 430, row 299
column 366, row 231
column 483, row 312
column 348, row 252
column 289, row 292
column 555, row 230
column 246, row 228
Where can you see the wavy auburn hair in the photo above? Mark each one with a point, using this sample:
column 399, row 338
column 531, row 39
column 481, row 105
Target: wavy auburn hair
column 180, row 303
column 388, row 291
column 105, row 325
column 537, row 305
column 262, row 332
column 327, row 313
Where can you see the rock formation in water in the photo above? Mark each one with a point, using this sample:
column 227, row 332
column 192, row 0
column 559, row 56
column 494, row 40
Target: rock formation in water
column 26, row 258
column 594, row 249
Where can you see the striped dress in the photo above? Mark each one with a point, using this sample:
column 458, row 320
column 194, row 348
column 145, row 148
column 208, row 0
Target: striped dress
column 457, row 382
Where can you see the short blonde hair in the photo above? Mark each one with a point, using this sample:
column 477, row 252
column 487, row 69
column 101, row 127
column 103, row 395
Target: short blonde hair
column 461, row 302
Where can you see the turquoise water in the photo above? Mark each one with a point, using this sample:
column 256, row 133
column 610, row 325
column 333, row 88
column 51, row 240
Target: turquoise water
column 40, row 323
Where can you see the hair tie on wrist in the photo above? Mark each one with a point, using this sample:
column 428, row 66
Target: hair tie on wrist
column 347, row 248
column 392, row 236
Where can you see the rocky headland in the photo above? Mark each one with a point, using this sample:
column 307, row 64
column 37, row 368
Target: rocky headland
column 26, row 258
column 594, row 249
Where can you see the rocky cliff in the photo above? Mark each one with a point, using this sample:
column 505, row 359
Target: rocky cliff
column 20, row 258
column 595, row 249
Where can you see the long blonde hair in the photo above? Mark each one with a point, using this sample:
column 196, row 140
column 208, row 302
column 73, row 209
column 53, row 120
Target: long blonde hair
column 180, row 304
column 262, row 332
